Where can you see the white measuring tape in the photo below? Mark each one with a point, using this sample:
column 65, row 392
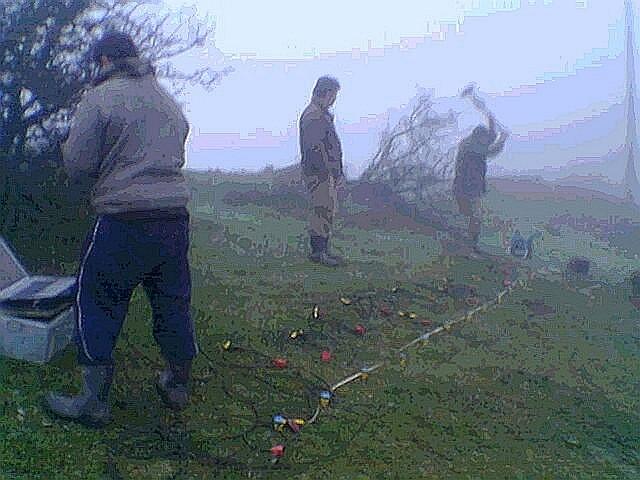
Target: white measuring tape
column 364, row 372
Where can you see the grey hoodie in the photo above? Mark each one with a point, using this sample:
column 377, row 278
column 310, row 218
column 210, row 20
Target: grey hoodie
column 128, row 135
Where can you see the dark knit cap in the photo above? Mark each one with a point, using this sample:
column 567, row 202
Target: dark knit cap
column 114, row 45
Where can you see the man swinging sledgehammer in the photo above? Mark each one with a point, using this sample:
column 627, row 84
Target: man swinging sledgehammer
column 469, row 185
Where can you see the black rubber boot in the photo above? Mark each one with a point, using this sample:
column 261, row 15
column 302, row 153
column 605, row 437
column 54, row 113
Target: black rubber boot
column 173, row 385
column 337, row 259
column 319, row 252
column 90, row 407
column 316, row 245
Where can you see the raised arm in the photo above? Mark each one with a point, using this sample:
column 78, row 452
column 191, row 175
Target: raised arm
column 492, row 123
column 498, row 145
column 482, row 107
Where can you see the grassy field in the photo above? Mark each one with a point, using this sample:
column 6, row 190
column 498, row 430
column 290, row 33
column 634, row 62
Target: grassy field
column 546, row 385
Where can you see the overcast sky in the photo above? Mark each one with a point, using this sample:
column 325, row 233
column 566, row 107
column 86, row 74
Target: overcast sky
column 383, row 51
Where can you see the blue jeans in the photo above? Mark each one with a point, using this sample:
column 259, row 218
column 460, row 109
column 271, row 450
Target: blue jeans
column 120, row 254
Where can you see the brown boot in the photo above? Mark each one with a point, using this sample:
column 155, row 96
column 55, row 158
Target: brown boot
column 473, row 246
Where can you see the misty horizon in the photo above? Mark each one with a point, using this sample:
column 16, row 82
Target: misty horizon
column 547, row 87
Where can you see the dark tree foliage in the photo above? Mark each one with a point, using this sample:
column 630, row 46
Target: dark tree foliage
column 43, row 67
column 43, row 71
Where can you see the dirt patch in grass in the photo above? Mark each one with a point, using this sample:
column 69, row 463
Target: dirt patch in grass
column 386, row 218
column 538, row 308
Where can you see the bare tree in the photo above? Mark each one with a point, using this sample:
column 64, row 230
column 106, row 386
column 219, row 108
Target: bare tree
column 158, row 41
column 43, row 67
column 32, row 87
column 417, row 153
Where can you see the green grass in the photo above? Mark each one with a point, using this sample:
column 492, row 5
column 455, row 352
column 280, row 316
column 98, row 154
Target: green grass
column 509, row 395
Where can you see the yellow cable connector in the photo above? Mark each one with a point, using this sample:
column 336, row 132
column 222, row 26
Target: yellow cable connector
column 295, row 334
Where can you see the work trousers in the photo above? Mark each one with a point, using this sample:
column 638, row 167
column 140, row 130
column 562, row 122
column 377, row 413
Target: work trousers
column 323, row 202
column 471, row 207
column 120, row 254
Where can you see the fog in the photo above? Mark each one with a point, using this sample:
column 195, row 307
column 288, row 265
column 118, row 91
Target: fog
column 553, row 71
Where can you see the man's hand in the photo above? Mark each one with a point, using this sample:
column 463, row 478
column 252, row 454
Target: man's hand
column 341, row 186
column 496, row 147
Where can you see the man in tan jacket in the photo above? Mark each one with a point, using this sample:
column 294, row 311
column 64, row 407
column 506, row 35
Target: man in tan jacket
column 128, row 137
column 322, row 171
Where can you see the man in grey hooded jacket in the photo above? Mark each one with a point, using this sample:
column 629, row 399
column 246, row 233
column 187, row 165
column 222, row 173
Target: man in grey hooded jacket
column 128, row 137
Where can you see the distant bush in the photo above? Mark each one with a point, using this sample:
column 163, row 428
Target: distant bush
column 286, row 199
